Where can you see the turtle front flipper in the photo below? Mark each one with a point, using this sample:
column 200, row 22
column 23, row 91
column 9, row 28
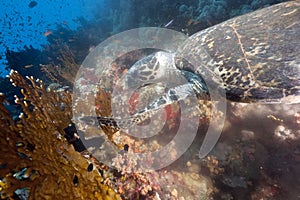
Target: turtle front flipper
column 173, row 95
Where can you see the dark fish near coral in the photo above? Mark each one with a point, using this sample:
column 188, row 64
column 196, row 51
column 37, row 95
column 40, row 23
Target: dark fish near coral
column 90, row 167
column 32, row 4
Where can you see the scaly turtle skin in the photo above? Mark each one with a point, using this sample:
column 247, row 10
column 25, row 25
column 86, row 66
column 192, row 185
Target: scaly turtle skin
column 254, row 57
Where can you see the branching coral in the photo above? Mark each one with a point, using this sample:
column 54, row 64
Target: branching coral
column 65, row 72
column 35, row 144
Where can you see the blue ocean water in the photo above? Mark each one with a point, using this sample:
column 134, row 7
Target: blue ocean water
column 27, row 23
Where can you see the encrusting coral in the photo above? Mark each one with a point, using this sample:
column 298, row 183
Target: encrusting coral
column 35, row 155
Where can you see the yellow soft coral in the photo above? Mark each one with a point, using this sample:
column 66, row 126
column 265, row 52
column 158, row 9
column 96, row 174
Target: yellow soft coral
column 54, row 170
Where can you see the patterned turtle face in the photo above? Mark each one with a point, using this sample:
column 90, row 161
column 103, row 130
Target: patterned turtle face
column 156, row 67
column 145, row 74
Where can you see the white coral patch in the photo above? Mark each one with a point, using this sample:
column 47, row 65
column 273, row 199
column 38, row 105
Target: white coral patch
column 283, row 133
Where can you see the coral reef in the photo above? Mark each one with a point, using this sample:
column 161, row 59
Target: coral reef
column 257, row 153
column 65, row 72
column 212, row 10
column 34, row 153
column 26, row 62
column 258, row 150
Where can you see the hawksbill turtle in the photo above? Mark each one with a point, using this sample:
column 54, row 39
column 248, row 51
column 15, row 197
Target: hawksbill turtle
column 254, row 58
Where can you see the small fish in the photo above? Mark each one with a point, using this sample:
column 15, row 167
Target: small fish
column 75, row 180
column 27, row 173
column 28, row 66
column 275, row 118
column 90, row 167
column 20, row 144
column 64, row 22
column 47, row 33
column 91, row 48
column 190, row 22
column 32, row 4
column 169, row 23
column 126, row 147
